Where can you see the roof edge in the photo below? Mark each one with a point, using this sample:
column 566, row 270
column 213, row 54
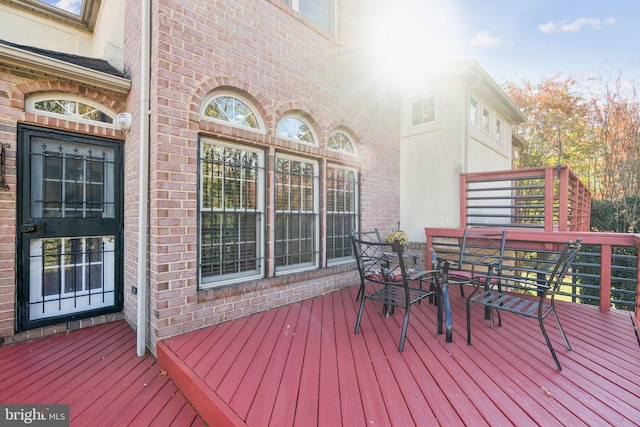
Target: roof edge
column 30, row 62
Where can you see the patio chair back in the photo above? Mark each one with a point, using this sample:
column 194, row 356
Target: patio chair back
column 528, row 290
column 479, row 251
column 384, row 278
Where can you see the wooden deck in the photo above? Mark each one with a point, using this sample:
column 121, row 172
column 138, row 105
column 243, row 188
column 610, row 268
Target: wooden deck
column 97, row 372
column 302, row 365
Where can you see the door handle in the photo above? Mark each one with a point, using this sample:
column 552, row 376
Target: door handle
column 29, row 228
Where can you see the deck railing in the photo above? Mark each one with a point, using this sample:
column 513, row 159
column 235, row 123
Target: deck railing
column 546, row 198
column 605, row 273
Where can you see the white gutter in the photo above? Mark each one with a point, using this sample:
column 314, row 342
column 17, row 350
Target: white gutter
column 143, row 177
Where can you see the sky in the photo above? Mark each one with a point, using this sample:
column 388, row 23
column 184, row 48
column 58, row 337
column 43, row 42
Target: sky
column 516, row 40
column 513, row 40
column 72, row 6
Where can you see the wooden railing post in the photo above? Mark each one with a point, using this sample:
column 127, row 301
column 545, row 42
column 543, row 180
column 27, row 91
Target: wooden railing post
column 563, row 198
column 427, row 255
column 605, row 277
column 637, row 245
column 463, row 200
column 548, row 198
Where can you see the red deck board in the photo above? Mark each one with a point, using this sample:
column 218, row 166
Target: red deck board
column 215, row 363
column 287, row 389
column 352, row 410
column 97, row 372
column 324, row 374
column 35, row 360
column 329, row 405
column 514, row 345
column 66, row 364
column 239, row 370
column 309, row 381
column 138, row 371
column 394, row 402
column 262, row 406
column 95, row 360
column 369, row 387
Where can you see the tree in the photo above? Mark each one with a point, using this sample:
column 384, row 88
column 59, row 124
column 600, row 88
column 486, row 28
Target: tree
column 557, row 125
column 617, row 124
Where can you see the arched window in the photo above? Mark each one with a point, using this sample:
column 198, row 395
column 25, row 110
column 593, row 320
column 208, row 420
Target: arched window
column 69, row 107
column 294, row 128
column 232, row 110
column 340, row 141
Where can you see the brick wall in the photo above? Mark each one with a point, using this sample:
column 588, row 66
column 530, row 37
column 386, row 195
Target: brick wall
column 14, row 88
column 282, row 63
column 274, row 57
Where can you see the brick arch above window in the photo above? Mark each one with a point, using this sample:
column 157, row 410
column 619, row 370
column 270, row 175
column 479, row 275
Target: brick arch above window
column 295, row 127
column 70, row 107
column 233, row 85
column 42, row 87
column 233, row 109
column 341, row 141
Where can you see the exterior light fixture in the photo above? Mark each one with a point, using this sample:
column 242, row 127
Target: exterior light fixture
column 123, row 121
column 3, row 157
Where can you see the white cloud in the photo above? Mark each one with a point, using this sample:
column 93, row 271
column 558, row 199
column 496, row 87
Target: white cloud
column 486, row 39
column 575, row 26
column 72, row 6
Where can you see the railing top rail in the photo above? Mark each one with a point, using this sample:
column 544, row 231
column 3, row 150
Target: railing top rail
column 588, row 237
column 537, row 171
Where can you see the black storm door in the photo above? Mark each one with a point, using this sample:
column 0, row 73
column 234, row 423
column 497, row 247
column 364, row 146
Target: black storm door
column 69, row 226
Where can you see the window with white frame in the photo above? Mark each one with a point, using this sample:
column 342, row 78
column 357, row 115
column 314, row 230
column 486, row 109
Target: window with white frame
column 499, row 131
column 486, row 120
column 340, row 142
column 423, row 110
column 296, row 129
column 474, row 112
column 296, row 214
column 342, row 212
column 70, row 107
column 320, row 12
column 232, row 110
column 231, row 216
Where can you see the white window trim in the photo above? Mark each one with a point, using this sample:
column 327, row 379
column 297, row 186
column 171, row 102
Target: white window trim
column 297, row 268
column 490, row 115
column 299, row 141
column 219, row 93
column 499, row 136
column 344, row 260
column 353, row 144
column 30, row 106
column 213, row 282
column 436, row 113
column 478, row 112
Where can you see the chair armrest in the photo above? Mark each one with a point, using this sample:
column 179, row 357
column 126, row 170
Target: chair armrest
column 490, row 262
column 452, row 259
column 420, row 274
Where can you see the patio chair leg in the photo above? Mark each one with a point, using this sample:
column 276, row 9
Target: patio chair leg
column 564, row 336
column 468, row 321
column 546, row 337
column 359, row 315
column 405, row 324
column 491, row 323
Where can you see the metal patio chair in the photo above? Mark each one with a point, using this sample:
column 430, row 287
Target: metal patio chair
column 371, row 251
column 385, row 278
column 480, row 251
column 527, row 291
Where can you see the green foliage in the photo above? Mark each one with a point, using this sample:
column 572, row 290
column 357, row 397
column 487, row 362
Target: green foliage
column 614, row 216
